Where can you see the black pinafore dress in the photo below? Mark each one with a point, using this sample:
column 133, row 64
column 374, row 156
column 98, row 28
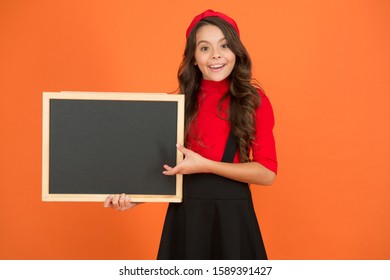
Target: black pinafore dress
column 216, row 220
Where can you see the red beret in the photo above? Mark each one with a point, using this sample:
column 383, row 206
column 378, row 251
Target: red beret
column 211, row 13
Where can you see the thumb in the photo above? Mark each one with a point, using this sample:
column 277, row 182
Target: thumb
column 181, row 149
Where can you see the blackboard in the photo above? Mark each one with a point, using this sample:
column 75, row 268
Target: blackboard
column 96, row 144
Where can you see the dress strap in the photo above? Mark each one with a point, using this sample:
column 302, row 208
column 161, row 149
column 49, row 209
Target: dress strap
column 230, row 149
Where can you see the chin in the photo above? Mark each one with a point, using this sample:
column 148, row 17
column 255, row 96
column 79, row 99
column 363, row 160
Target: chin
column 215, row 78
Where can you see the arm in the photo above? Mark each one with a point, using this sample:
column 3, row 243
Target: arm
column 249, row 172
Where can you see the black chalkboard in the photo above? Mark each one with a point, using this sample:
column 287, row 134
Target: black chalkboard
column 97, row 144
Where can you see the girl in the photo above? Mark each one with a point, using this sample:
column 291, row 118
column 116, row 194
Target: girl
column 229, row 144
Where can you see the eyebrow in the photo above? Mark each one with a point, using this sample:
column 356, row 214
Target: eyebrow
column 207, row 42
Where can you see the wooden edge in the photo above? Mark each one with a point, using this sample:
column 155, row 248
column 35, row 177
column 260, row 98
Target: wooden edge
column 135, row 96
column 102, row 198
column 45, row 144
column 180, row 140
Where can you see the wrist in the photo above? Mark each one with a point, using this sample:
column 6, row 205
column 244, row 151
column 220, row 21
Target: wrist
column 209, row 166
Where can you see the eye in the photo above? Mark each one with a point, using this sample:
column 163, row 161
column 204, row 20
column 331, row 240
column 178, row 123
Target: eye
column 204, row 49
column 225, row 46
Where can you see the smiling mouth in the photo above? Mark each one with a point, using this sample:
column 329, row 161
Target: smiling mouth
column 216, row 67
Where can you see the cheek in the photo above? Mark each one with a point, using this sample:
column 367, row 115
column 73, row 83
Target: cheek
column 232, row 57
column 200, row 59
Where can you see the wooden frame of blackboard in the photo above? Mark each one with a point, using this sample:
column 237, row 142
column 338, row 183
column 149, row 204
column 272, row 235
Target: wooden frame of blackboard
column 155, row 100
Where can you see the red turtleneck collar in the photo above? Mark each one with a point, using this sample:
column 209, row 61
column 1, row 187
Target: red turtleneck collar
column 213, row 87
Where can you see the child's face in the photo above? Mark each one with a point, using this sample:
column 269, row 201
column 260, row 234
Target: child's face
column 212, row 55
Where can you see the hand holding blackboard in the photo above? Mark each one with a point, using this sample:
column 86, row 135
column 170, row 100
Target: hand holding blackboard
column 120, row 202
column 192, row 163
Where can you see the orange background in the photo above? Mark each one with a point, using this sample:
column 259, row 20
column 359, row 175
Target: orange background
column 324, row 65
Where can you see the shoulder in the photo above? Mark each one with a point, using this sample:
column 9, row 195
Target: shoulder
column 265, row 103
column 261, row 92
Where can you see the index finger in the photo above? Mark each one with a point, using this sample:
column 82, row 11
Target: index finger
column 108, row 200
column 170, row 170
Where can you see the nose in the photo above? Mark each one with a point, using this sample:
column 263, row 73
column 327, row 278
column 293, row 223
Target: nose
column 216, row 54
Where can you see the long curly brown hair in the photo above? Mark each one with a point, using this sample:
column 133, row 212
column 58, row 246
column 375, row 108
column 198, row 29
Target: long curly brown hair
column 243, row 91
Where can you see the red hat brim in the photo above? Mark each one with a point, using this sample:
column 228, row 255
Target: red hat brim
column 211, row 13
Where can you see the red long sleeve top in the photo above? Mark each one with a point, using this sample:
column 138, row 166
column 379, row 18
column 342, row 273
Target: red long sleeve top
column 212, row 127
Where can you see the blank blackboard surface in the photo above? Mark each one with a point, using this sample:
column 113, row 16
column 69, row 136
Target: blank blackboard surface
column 95, row 144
